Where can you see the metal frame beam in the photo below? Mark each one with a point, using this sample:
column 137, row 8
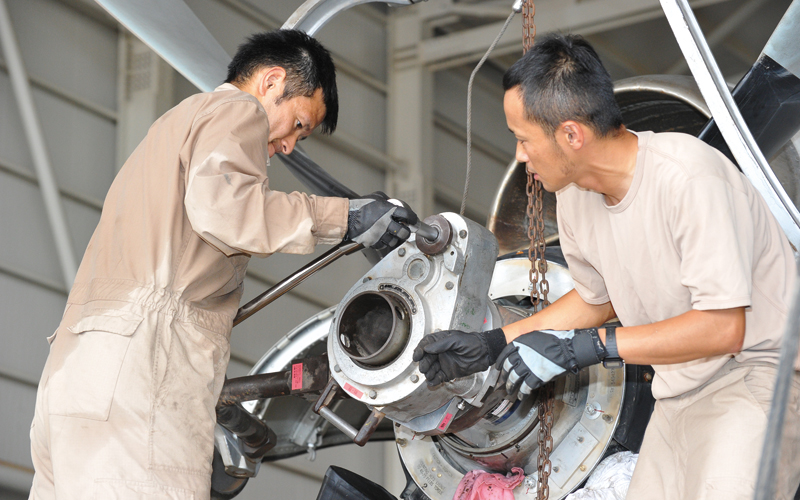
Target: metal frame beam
column 41, row 160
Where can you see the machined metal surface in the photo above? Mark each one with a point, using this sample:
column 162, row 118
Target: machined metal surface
column 441, row 238
column 449, row 291
column 586, row 413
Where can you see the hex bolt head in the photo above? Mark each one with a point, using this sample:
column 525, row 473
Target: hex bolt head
column 463, row 233
column 401, row 252
column 336, row 368
column 449, row 285
column 608, row 418
column 373, row 394
column 415, row 378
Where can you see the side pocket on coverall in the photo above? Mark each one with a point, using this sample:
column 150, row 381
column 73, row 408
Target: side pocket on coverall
column 87, row 362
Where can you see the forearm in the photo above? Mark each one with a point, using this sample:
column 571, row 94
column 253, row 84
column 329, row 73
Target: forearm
column 568, row 312
column 689, row 336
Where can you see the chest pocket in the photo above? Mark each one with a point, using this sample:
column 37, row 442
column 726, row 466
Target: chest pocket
column 86, row 360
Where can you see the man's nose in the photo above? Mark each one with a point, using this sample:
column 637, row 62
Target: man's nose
column 522, row 157
column 287, row 145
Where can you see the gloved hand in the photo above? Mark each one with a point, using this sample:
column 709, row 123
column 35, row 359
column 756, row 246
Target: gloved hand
column 452, row 354
column 376, row 222
column 533, row 359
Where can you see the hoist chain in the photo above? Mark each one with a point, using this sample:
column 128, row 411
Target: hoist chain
column 539, row 285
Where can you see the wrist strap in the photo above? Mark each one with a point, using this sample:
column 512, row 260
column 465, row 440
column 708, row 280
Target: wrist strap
column 612, row 360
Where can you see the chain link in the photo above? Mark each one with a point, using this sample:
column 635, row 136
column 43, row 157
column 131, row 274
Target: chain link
column 539, row 285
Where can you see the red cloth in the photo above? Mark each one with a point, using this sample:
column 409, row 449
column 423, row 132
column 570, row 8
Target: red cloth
column 482, row 485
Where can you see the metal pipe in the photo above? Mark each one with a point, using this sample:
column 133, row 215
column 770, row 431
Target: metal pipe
column 255, row 434
column 771, row 452
column 41, row 161
column 291, row 281
column 305, row 375
column 339, row 422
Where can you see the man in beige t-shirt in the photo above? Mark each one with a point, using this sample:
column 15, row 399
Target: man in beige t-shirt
column 663, row 232
column 125, row 406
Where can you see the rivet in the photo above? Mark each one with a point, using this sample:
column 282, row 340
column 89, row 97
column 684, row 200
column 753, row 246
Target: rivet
column 449, row 285
column 373, row 394
column 582, row 468
column 415, row 378
column 438, row 475
column 401, row 252
column 463, row 233
column 580, row 439
column 608, row 418
column 433, row 469
column 336, row 368
column 648, row 377
column 556, row 469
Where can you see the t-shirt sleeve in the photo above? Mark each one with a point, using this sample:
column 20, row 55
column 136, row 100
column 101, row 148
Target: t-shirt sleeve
column 228, row 200
column 588, row 282
column 712, row 228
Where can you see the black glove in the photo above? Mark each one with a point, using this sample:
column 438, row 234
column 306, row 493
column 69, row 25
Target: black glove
column 452, row 354
column 378, row 223
column 533, row 359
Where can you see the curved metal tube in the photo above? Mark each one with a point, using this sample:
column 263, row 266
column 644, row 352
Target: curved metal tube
column 294, row 279
column 314, row 14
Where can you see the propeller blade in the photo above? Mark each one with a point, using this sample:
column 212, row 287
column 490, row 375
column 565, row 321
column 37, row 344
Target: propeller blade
column 174, row 32
column 768, row 96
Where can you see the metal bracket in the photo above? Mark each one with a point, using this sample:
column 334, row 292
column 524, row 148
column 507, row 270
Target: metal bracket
column 359, row 437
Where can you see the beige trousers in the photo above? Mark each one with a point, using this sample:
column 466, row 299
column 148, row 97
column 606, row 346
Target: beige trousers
column 706, row 444
column 125, row 407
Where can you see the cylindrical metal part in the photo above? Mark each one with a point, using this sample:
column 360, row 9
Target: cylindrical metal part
column 254, row 433
column 338, row 422
column 444, row 235
column 374, row 328
column 306, row 375
column 430, row 233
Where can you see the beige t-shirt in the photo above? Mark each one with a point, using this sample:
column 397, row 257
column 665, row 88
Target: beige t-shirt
column 691, row 233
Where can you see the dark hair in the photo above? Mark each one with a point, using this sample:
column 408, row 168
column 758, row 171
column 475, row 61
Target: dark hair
column 561, row 78
column 307, row 63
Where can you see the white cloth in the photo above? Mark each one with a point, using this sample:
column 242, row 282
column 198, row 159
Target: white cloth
column 610, row 480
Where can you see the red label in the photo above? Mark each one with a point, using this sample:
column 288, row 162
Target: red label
column 297, row 376
column 352, row 390
column 445, row 421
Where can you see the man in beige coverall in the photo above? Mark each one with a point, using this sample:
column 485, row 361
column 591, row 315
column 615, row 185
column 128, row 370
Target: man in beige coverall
column 125, row 407
column 663, row 232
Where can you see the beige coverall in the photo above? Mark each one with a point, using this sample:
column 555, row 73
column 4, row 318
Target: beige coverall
column 125, row 407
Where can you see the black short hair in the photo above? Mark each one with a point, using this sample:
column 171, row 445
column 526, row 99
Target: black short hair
column 561, row 78
column 308, row 66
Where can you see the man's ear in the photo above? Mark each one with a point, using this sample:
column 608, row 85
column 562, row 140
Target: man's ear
column 271, row 81
column 573, row 134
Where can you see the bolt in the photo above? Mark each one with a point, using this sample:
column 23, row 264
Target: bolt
column 580, row 439
column 433, row 469
column 463, row 233
column 556, row 469
column 396, row 424
column 402, row 441
column 648, row 377
column 425, row 485
column 336, row 368
column 462, row 405
column 438, row 475
column 517, row 446
column 449, row 285
column 401, row 252
column 608, row 418
column 415, row 378
column 373, row 394
column 582, row 468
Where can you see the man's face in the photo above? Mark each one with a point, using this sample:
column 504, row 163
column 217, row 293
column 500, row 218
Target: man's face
column 291, row 120
column 544, row 157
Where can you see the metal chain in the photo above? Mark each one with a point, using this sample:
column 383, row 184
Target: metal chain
column 536, row 255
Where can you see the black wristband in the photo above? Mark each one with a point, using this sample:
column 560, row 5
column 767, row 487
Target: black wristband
column 496, row 342
column 613, row 360
column 588, row 347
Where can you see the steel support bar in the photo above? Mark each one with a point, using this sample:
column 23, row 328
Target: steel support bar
column 41, row 161
column 771, row 452
column 728, row 118
column 294, row 279
column 305, row 375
